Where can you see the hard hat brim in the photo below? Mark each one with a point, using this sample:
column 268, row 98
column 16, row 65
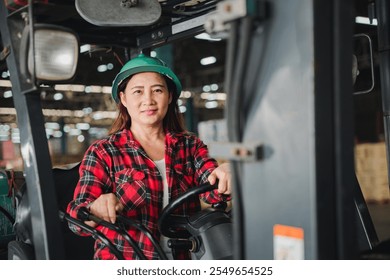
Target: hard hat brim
column 163, row 70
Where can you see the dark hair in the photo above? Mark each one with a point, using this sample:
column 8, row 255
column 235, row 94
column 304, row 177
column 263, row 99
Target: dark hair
column 173, row 120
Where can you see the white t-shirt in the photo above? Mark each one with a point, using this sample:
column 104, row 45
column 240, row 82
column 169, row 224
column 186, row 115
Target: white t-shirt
column 161, row 167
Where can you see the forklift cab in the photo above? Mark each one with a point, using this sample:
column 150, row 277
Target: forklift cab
column 288, row 112
column 51, row 57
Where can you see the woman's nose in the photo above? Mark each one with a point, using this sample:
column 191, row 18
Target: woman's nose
column 147, row 96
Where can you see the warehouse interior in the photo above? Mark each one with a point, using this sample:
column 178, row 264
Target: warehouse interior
column 80, row 111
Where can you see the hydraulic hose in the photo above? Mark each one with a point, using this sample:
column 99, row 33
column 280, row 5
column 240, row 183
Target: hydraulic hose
column 238, row 81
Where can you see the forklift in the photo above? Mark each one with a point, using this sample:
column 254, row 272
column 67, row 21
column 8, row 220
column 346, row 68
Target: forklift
column 289, row 113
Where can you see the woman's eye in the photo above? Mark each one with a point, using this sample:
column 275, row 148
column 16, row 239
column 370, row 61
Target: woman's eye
column 137, row 92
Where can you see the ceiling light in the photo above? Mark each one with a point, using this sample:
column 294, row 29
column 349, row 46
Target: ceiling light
column 85, row 48
column 213, row 96
column 66, row 87
column 7, row 94
column 83, row 126
column 88, row 89
column 185, row 94
column 52, row 125
column 5, row 127
column 206, row 88
column 58, row 96
column 102, row 68
column 57, row 134
column 211, row 104
column 78, row 113
column 183, row 109
column 96, row 89
column 220, row 96
column 106, row 90
column 205, row 95
column 5, row 83
column 67, row 128
column 8, row 111
column 74, row 132
column 98, row 115
column 205, row 36
column 98, row 132
column 214, row 87
column 87, row 110
column 366, row 20
column 208, row 60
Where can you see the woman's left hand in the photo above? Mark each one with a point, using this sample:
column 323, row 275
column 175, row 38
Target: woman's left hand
column 223, row 175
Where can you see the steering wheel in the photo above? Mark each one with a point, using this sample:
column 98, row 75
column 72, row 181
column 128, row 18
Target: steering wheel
column 175, row 226
column 208, row 232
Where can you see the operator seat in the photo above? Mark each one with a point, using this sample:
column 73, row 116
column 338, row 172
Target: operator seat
column 76, row 247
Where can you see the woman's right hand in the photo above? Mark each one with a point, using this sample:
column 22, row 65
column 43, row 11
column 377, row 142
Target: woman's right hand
column 105, row 207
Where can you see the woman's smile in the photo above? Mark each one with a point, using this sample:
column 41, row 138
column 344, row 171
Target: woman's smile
column 149, row 112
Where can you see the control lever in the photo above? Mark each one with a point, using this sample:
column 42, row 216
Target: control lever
column 146, row 231
column 86, row 216
column 94, row 232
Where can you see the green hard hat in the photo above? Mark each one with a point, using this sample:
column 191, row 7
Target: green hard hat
column 143, row 63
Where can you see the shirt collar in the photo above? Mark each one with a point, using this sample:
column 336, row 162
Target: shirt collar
column 171, row 138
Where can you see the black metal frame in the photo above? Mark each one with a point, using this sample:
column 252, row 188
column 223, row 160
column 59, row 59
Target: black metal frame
column 383, row 15
column 333, row 31
column 47, row 235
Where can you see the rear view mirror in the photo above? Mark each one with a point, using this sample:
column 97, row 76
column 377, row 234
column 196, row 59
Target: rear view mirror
column 362, row 65
column 119, row 12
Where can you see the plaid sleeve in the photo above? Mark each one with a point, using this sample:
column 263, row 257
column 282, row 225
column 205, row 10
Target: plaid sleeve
column 94, row 180
column 204, row 166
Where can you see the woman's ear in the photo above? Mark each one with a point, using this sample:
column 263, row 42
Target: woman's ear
column 170, row 97
column 122, row 98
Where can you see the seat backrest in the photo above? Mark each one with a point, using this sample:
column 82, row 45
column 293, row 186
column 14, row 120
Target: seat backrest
column 65, row 179
column 76, row 247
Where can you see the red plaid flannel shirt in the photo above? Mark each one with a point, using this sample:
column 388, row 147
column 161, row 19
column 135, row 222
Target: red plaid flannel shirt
column 118, row 164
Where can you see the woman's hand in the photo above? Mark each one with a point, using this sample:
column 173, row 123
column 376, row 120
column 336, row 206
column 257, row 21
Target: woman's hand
column 105, row 207
column 223, row 175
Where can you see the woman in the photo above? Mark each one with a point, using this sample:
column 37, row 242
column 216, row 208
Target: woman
column 148, row 159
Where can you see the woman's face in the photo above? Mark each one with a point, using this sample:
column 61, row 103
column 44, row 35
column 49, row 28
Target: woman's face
column 146, row 98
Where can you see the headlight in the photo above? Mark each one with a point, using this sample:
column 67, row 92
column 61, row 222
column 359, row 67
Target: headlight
column 56, row 53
